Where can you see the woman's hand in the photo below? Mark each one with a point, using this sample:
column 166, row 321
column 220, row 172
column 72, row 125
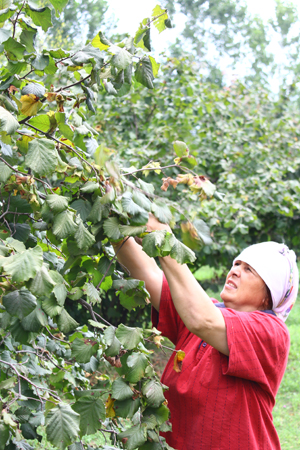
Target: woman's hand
column 154, row 225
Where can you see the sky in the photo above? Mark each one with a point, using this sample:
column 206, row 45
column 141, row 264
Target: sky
column 126, row 20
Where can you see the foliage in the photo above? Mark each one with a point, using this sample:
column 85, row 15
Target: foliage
column 244, row 141
column 225, row 34
column 63, row 199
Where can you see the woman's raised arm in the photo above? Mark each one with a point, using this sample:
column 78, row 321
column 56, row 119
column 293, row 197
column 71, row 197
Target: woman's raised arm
column 142, row 267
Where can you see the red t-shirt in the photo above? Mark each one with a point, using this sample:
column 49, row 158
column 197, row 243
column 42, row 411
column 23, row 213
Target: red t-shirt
column 219, row 402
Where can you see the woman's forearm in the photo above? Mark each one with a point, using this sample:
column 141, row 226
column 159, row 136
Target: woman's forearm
column 194, row 306
column 141, row 267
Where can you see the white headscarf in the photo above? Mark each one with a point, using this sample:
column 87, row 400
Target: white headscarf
column 276, row 265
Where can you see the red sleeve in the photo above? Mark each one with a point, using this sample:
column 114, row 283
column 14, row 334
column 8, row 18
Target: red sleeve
column 258, row 347
column 168, row 320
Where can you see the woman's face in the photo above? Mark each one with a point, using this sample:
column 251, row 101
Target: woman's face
column 244, row 289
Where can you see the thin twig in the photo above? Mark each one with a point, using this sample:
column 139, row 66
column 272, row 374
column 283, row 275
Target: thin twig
column 16, row 19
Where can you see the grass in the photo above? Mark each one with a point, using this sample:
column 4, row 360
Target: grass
column 287, row 410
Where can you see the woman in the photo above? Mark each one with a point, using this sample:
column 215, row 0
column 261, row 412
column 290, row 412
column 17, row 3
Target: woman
column 236, row 353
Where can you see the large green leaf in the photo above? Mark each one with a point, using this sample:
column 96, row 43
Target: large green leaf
column 160, row 16
column 83, row 237
column 121, row 390
column 7, row 121
column 35, row 320
column 113, row 343
column 42, row 122
column 41, row 156
column 23, row 266
column 161, row 414
column 129, row 205
column 62, row 425
column 154, row 393
column 40, row 16
column 5, row 172
column 65, row 322
column 60, row 290
column 111, row 228
column 4, row 435
column 92, row 413
column 42, row 284
column 133, row 437
column 98, row 210
column 57, row 203
column 121, row 59
column 83, row 349
column 128, row 230
column 91, row 293
column 83, row 208
column 86, row 55
column 64, row 225
column 161, row 212
column 129, row 337
column 19, row 303
column 51, row 306
column 14, row 49
column 182, row 253
column 144, row 72
column 4, row 35
column 59, row 5
column 127, row 408
column 153, row 241
column 137, row 362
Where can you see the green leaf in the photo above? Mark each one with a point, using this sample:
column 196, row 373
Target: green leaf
column 155, row 66
column 60, row 290
column 128, row 230
column 129, row 337
column 203, row 231
column 65, row 322
column 14, row 49
column 137, row 362
column 57, row 203
column 121, row 59
column 136, row 436
column 83, row 237
column 40, row 16
column 23, row 266
column 34, row 88
column 64, row 225
column 162, row 212
column 83, row 349
column 83, row 208
column 51, row 306
column 98, row 211
column 141, row 200
column 5, row 172
column 42, row 284
column 152, row 243
column 35, row 320
column 161, row 414
column 161, row 16
column 129, row 205
column 100, row 41
column 144, row 72
column 92, row 412
column 114, row 345
column 127, row 408
column 40, row 62
column 111, row 228
column 182, row 253
column 121, row 390
column 59, row 5
column 27, row 38
column 91, row 293
column 7, row 121
column 42, row 122
column 4, row 435
column 88, row 54
column 153, row 391
column 62, row 425
column 41, row 156
column 19, row 303
column 180, row 148
column 4, row 35
column 90, row 186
